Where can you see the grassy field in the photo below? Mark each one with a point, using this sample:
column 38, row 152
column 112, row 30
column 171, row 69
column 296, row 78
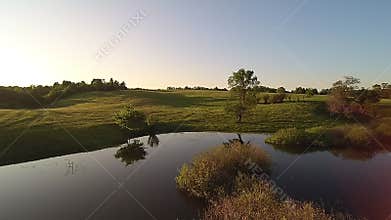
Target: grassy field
column 85, row 122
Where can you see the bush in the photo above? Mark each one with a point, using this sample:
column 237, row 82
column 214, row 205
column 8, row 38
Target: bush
column 347, row 100
column 383, row 128
column 266, row 98
column 357, row 135
column 277, row 98
column 342, row 136
column 289, row 136
column 256, row 200
column 321, row 136
column 212, row 174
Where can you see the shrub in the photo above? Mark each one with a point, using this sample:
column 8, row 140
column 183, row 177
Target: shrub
column 266, row 98
column 277, row 98
column 256, row 200
column 288, row 136
column 341, row 136
column 212, row 174
column 383, row 128
column 347, row 100
column 324, row 137
column 357, row 135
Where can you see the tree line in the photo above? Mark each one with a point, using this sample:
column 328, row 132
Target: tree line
column 346, row 98
column 196, row 88
column 35, row 96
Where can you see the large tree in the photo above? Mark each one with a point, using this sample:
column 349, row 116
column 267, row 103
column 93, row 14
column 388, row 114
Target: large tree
column 242, row 84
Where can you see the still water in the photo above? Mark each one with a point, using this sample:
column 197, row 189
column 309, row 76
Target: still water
column 116, row 183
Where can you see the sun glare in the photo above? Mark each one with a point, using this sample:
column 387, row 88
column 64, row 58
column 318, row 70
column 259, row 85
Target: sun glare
column 19, row 68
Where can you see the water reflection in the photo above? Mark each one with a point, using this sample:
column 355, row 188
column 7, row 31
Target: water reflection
column 329, row 177
column 357, row 153
column 135, row 150
column 351, row 153
column 132, row 152
column 153, row 140
column 71, row 168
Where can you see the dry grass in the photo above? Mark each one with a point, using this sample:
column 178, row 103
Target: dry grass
column 212, row 173
column 257, row 200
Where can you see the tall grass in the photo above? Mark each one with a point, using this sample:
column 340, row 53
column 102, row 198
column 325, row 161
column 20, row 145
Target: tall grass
column 256, row 200
column 211, row 174
column 352, row 135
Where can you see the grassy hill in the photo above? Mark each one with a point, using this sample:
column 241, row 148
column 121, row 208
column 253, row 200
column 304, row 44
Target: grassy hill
column 85, row 121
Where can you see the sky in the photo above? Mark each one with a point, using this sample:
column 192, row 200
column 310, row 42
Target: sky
column 155, row 44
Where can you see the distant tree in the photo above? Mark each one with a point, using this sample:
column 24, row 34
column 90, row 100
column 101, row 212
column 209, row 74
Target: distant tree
column 265, row 89
column 277, row 98
column 300, row 90
column 324, row 92
column 384, row 90
column 309, row 92
column 266, row 98
column 36, row 96
column 241, row 84
column 281, row 90
column 97, row 84
column 123, row 86
column 377, row 87
column 346, row 98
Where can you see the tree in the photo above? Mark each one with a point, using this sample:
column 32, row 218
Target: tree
column 324, row 92
column 97, row 84
column 131, row 119
column 266, row 98
column 299, row 90
column 281, row 90
column 123, row 85
column 309, row 92
column 347, row 99
column 241, row 84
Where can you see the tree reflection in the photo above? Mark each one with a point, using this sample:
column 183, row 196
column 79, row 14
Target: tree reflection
column 153, row 140
column 357, row 153
column 235, row 140
column 132, row 152
column 349, row 153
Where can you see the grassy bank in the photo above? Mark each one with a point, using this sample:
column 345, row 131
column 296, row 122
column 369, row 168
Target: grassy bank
column 34, row 134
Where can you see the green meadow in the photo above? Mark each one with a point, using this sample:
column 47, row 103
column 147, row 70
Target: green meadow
column 84, row 122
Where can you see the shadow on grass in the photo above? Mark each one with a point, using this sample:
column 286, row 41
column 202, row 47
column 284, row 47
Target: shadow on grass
column 49, row 141
column 140, row 97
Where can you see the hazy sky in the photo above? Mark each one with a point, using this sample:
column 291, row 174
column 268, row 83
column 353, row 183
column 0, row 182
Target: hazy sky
column 176, row 43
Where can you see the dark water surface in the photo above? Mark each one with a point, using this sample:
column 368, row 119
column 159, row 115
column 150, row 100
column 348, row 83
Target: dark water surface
column 138, row 184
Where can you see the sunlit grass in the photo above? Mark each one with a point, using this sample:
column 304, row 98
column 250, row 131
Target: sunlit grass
column 89, row 117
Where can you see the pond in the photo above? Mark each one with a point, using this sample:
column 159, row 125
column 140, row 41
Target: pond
column 118, row 183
